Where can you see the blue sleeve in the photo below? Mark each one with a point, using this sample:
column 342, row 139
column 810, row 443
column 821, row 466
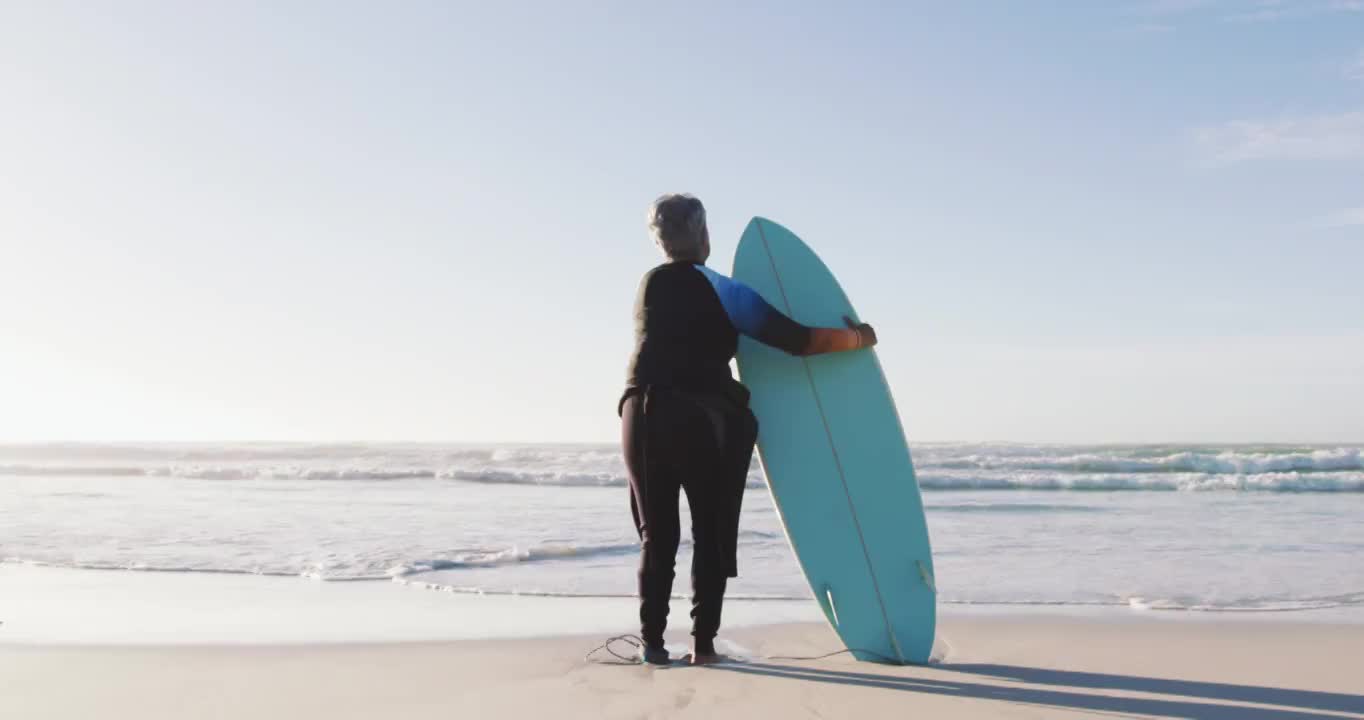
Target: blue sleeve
column 753, row 316
column 744, row 306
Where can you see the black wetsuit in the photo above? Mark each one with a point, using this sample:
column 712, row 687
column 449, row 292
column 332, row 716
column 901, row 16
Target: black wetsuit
column 686, row 427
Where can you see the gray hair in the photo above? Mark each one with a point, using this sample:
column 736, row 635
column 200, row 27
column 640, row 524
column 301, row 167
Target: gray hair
column 678, row 224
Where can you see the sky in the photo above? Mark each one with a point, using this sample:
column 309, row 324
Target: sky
column 1069, row 222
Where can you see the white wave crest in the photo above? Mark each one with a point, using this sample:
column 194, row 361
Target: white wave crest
column 521, row 477
column 360, row 569
column 940, row 466
column 510, row 556
column 1227, row 462
column 1344, row 482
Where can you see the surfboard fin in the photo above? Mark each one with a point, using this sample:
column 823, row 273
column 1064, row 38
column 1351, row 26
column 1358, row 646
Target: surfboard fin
column 926, row 576
column 833, row 610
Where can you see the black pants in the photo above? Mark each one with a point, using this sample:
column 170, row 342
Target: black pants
column 674, row 443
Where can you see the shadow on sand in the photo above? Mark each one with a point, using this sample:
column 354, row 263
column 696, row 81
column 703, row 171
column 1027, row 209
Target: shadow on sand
column 1198, row 700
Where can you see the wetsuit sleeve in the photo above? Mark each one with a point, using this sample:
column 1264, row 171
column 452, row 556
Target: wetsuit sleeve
column 755, row 317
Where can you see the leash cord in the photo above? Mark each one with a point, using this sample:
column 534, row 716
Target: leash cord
column 636, row 643
column 633, row 658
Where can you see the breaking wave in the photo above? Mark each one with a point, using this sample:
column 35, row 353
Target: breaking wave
column 939, row 467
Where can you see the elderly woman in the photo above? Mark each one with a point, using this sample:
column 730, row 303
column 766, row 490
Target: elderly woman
column 686, row 425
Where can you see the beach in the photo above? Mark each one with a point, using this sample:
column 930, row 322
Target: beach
column 366, row 360
column 248, row 657
column 376, row 580
column 1008, row 668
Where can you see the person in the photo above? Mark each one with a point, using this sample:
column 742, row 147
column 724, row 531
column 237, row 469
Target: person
column 685, row 421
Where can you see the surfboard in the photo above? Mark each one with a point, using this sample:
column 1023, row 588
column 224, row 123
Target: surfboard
column 836, row 461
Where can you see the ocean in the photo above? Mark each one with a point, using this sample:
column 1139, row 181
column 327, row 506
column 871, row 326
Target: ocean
column 1232, row 528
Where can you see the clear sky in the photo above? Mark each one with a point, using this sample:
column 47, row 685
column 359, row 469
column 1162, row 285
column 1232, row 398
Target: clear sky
column 1069, row 221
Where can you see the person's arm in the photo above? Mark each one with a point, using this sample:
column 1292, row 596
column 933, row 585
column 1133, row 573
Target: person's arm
column 755, row 317
column 776, row 329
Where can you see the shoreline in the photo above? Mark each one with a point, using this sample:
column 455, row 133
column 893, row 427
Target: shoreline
column 63, row 606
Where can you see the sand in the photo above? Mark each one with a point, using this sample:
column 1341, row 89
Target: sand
column 148, row 646
column 998, row 666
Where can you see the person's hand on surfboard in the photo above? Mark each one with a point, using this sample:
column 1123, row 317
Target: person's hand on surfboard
column 866, row 336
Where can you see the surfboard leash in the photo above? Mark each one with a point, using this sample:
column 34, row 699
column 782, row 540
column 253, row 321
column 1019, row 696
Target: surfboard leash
column 633, row 641
column 636, row 643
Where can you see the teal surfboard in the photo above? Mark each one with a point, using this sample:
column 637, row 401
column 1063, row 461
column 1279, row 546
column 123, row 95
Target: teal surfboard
column 834, row 454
